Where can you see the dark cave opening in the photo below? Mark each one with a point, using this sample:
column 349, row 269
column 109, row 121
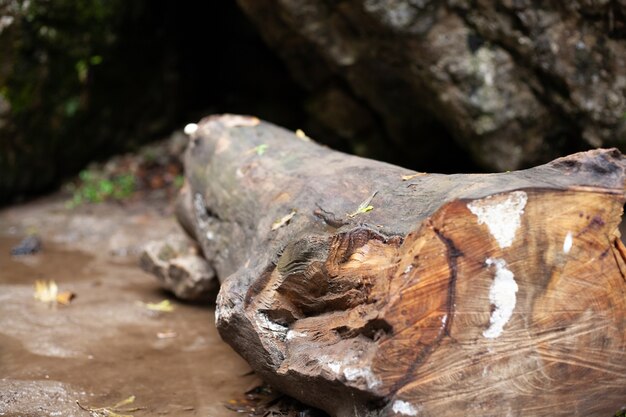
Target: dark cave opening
column 225, row 67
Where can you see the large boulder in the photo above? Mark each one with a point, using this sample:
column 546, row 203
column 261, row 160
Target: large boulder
column 515, row 82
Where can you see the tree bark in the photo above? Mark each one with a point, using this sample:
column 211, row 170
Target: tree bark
column 363, row 288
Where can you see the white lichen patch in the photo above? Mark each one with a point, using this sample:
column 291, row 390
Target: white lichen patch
column 364, row 374
column 486, row 65
column 404, row 408
column 502, row 215
column 488, row 98
column 200, row 210
column 568, row 242
column 502, row 296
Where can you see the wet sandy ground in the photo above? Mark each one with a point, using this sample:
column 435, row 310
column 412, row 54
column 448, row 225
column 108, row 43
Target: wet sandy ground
column 104, row 346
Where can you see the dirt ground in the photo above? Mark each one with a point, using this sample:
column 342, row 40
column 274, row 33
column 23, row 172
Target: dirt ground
column 106, row 345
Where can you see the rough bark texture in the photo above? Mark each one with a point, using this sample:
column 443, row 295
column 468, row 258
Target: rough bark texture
column 361, row 287
column 515, row 82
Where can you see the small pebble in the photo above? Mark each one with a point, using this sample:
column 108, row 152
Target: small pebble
column 28, row 246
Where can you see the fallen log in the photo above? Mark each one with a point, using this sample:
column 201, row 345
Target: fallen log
column 366, row 289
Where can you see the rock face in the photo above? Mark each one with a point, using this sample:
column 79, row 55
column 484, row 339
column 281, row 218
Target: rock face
column 515, row 82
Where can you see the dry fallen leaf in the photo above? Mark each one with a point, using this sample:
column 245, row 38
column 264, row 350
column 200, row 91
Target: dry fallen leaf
column 164, row 306
column 112, row 411
column 283, row 220
column 300, row 133
column 48, row 292
column 234, row 120
column 168, row 334
column 124, row 402
column 410, row 177
column 65, row 297
column 361, row 210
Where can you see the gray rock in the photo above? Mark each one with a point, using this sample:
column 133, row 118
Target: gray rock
column 179, row 268
column 30, row 245
column 515, row 83
column 38, row 398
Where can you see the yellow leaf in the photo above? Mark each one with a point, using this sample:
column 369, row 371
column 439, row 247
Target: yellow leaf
column 122, row 403
column 112, row 411
column 164, row 306
column 300, row 133
column 410, row 177
column 283, row 220
column 365, row 206
column 168, row 334
column 46, row 291
column 65, row 297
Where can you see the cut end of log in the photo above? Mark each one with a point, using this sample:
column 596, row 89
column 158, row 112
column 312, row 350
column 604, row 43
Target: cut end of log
column 531, row 317
column 497, row 292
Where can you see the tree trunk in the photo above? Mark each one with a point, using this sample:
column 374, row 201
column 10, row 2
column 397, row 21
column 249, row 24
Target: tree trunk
column 360, row 287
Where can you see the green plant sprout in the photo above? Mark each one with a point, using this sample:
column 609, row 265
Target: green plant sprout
column 94, row 188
